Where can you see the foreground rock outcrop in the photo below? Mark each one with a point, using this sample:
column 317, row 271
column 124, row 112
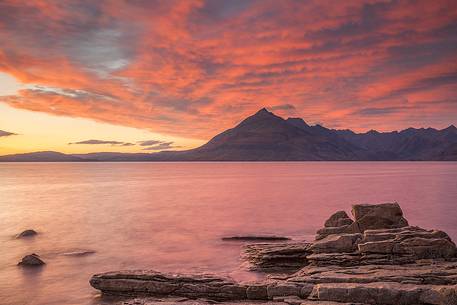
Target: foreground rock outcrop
column 377, row 258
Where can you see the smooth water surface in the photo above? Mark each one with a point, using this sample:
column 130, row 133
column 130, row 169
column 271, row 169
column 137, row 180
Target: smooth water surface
column 171, row 216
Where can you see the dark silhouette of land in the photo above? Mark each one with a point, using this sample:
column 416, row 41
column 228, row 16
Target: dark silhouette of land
column 265, row 136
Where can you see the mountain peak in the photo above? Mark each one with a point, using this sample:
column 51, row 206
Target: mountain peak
column 263, row 111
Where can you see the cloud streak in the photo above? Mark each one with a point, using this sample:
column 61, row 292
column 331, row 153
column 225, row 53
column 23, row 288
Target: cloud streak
column 194, row 68
column 102, row 142
column 6, row 133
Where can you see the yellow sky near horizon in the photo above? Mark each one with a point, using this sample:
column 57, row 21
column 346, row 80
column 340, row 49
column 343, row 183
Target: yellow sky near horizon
column 37, row 131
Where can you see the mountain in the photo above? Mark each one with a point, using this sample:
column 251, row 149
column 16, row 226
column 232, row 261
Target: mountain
column 265, row 136
column 40, row 156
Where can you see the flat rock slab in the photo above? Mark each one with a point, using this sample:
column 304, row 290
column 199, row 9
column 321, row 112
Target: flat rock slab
column 425, row 273
column 255, row 238
column 153, row 283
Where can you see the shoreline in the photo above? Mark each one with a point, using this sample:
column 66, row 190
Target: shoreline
column 377, row 258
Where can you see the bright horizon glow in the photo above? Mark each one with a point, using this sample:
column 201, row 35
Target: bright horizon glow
column 43, row 132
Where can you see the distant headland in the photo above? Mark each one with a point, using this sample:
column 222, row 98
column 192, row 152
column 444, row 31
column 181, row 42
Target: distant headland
column 265, row 136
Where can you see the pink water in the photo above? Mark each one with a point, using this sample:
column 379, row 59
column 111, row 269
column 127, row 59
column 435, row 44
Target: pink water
column 171, row 216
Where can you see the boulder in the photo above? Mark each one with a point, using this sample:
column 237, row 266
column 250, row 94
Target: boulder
column 342, row 243
column 27, row 233
column 338, row 219
column 31, row 260
column 376, row 216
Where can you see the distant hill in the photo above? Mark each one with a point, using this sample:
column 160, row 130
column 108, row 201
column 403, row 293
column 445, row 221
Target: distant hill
column 40, row 156
column 267, row 137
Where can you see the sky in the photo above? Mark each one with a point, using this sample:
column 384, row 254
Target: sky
column 145, row 75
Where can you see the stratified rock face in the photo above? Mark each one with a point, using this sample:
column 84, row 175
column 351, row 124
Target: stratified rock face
column 383, row 247
column 341, row 243
column 412, row 242
column 32, row 260
column 366, row 217
column 338, row 219
column 154, row 283
column 27, row 233
column 277, row 256
column 376, row 260
column 376, row 216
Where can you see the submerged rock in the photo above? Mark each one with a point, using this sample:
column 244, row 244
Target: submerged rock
column 31, row 260
column 27, row 233
column 255, row 238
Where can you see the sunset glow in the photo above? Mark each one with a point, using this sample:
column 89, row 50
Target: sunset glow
column 179, row 72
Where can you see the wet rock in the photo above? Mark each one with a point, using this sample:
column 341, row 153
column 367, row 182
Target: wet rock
column 27, row 233
column 277, row 256
column 338, row 219
column 255, row 238
column 152, row 283
column 31, row 260
column 342, row 243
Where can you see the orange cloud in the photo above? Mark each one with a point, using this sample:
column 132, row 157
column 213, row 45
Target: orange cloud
column 192, row 68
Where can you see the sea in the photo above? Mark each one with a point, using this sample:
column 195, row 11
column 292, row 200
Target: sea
column 99, row 217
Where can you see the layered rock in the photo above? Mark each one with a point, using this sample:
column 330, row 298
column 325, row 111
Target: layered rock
column 143, row 282
column 376, row 259
column 289, row 256
column 366, row 217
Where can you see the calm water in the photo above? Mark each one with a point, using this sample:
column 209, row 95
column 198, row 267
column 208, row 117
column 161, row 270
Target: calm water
column 171, row 216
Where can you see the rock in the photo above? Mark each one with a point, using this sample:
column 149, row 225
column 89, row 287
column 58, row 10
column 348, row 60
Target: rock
column 27, row 233
column 338, row 219
column 257, row 292
column 32, row 260
column 343, row 243
column 411, row 242
column 385, row 262
column 376, row 216
column 277, row 256
column 427, row 272
column 280, row 289
column 372, row 293
column 78, row 253
column 326, row 231
column 152, row 283
column 255, row 238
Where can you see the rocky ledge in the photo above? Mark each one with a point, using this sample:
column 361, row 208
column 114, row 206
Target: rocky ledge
column 376, row 258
